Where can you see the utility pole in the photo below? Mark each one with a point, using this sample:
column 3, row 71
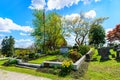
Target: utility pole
column 44, row 29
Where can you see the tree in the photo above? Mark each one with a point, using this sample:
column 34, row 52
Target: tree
column 8, row 46
column 97, row 33
column 114, row 34
column 78, row 26
column 53, row 29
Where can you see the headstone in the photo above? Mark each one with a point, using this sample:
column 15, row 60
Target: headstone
column 64, row 50
column 87, row 57
column 104, row 52
column 118, row 52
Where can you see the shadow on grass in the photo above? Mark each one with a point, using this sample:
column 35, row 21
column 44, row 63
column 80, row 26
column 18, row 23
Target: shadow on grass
column 94, row 59
column 80, row 72
column 118, row 60
column 103, row 60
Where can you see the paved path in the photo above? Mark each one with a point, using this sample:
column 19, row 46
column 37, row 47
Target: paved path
column 7, row 75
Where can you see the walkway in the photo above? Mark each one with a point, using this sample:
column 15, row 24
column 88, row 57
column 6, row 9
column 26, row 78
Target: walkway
column 7, row 75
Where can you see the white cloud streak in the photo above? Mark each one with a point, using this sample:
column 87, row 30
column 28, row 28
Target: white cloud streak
column 97, row 0
column 90, row 14
column 23, row 43
column 57, row 4
column 37, row 4
column 6, row 25
column 72, row 16
column 24, row 34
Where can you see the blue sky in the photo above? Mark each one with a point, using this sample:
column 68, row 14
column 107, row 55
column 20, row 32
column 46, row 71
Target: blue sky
column 16, row 15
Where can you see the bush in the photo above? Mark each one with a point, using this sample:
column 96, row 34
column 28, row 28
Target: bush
column 74, row 55
column 37, row 55
column 66, row 67
column 53, row 52
column 31, row 55
column 83, row 49
column 10, row 62
column 25, row 58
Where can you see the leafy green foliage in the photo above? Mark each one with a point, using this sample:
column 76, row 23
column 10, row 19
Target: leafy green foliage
column 96, row 35
column 10, row 62
column 8, row 46
column 83, row 49
column 53, row 52
column 20, row 53
column 48, row 27
column 74, row 55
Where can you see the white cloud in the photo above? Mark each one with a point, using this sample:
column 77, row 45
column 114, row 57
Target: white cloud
column 58, row 4
column 71, row 40
column 86, row 1
column 89, row 1
column 24, row 34
column 97, row 0
column 23, row 40
column 23, row 43
column 37, row 4
column 90, row 14
column 72, row 16
column 107, row 30
column 52, row 4
column 6, row 25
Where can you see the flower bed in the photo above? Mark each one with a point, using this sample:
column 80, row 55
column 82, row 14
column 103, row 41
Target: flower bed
column 76, row 65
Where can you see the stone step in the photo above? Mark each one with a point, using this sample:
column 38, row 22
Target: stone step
column 21, row 66
column 29, row 65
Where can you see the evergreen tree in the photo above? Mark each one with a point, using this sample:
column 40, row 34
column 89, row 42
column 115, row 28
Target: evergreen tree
column 7, row 46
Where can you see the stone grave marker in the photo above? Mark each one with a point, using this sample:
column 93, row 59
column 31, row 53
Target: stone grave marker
column 118, row 52
column 104, row 52
column 64, row 50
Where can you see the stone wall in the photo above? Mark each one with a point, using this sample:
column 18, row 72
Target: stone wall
column 76, row 65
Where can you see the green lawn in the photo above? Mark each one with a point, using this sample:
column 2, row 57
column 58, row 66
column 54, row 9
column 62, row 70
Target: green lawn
column 45, row 58
column 107, row 70
column 32, row 72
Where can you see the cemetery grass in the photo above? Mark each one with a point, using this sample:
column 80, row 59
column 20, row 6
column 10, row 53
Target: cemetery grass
column 45, row 58
column 107, row 70
column 32, row 72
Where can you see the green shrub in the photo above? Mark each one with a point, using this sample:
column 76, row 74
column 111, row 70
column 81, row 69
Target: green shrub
column 83, row 49
column 10, row 62
column 74, row 55
column 37, row 55
column 25, row 58
column 31, row 55
column 53, row 52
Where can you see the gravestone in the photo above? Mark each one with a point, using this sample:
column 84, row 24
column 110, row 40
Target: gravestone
column 104, row 52
column 64, row 50
column 118, row 52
